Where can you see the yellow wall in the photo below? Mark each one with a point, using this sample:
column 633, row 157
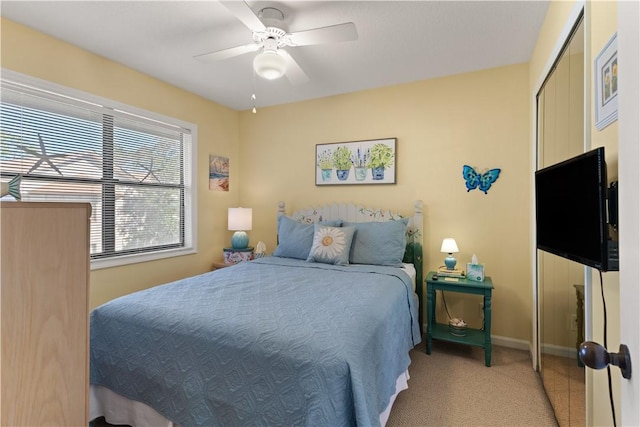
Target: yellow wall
column 38, row 55
column 480, row 119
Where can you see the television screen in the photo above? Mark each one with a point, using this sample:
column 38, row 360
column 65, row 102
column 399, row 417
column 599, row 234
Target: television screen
column 571, row 209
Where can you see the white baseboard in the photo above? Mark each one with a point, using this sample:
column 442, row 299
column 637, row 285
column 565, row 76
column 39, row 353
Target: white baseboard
column 511, row 343
column 505, row 342
column 524, row 345
column 517, row 344
column 556, row 350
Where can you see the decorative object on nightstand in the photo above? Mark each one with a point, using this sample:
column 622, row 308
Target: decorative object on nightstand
column 475, row 271
column 450, row 247
column 234, row 256
column 457, row 327
column 261, row 250
column 456, row 272
column 239, row 220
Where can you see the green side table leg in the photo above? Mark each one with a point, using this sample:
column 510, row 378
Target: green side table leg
column 431, row 317
column 487, row 328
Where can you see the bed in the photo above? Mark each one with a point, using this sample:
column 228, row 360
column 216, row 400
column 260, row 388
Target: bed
column 317, row 334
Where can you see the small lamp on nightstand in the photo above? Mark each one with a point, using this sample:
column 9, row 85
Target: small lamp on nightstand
column 450, row 247
column 239, row 220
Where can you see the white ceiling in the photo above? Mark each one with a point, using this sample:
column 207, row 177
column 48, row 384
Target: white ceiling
column 399, row 41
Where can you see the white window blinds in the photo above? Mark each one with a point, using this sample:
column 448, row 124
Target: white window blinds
column 133, row 169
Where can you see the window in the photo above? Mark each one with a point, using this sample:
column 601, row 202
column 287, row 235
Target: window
column 134, row 167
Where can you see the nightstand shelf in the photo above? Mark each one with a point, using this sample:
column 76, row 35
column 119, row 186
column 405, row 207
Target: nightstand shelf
column 475, row 337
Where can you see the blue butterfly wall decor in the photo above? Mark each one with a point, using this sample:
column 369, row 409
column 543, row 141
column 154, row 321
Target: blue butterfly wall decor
column 483, row 181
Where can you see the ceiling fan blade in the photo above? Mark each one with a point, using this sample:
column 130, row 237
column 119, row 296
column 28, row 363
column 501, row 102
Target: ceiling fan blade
column 227, row 53
column 294, row 73
column 244, row 13
column 334, row 33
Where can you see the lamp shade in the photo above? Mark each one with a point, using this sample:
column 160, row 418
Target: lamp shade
column 449, row 246
column 269, row 65
column 240, row 219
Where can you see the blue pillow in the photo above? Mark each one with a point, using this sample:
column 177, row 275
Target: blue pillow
column 295, row 238
column 379, row 243
column 331, row 245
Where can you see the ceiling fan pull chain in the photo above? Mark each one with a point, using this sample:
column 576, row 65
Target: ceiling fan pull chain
column 253, row 95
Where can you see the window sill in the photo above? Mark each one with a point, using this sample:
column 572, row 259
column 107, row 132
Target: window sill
column 98, row 264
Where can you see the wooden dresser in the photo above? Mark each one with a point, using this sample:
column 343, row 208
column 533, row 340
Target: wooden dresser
column 44, row 314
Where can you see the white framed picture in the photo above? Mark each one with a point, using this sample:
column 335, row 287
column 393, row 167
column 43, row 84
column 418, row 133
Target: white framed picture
column 606, row 81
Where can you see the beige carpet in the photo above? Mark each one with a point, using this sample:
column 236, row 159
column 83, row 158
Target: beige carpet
column 453, row 387
column 564, row 382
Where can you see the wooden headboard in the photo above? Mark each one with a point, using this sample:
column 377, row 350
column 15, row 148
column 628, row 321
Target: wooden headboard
column 355, row 213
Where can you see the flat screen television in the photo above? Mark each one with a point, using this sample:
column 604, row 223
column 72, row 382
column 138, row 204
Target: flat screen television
column 571, row 211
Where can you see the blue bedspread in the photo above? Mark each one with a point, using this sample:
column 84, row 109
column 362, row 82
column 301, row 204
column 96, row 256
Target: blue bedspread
column 270, row 342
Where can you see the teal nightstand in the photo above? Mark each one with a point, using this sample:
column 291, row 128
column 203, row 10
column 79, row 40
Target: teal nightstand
column 475, row 337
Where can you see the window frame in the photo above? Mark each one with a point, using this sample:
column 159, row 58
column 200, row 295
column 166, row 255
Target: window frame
column 190, row 175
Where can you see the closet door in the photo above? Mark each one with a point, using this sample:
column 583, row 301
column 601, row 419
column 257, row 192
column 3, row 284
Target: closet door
column 560, row 137
column 44, row 313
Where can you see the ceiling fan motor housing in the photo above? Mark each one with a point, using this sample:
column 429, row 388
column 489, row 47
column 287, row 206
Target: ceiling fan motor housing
column 274, row 33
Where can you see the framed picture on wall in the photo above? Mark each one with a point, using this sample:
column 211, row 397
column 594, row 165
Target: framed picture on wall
column 606, row 80
column 356, row 162
column 218, row 173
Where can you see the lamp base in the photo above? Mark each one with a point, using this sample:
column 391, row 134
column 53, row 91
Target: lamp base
column 240, row 240
column 450, row 262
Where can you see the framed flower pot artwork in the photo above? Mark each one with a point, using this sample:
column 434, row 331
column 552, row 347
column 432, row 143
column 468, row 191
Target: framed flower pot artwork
column 606, row 80
column 357, row 162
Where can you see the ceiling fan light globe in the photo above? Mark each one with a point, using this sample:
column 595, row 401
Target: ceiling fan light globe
column 269, row 65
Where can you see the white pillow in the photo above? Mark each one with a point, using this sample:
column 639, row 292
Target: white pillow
column 331, row 245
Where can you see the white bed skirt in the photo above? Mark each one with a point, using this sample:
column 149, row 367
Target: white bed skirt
column 120, row 410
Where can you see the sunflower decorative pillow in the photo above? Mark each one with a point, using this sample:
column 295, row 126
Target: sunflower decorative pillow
column 331, row 245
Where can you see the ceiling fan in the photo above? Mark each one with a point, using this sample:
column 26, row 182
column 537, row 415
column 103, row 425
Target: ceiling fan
column 270, row 38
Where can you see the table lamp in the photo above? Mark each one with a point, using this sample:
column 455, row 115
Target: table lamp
column 449, row 246
column 239, row 220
